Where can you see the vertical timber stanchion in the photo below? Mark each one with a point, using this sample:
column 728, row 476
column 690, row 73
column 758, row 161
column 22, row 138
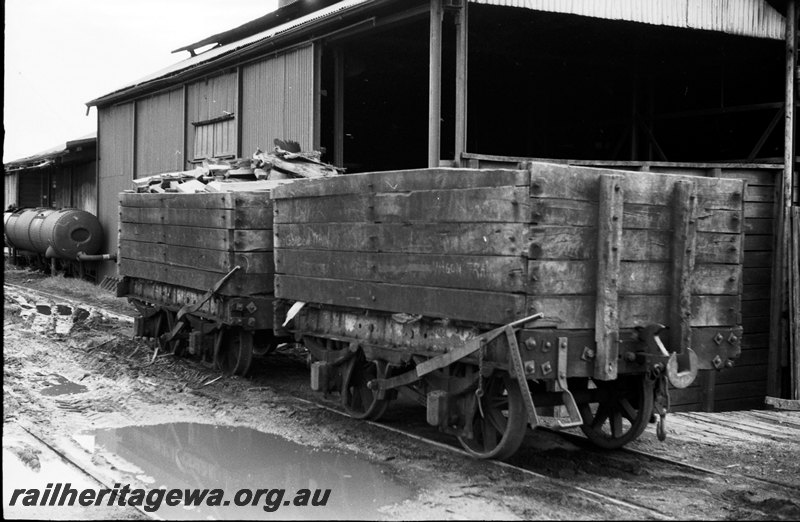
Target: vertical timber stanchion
column 609, row 244
column 338, row 107
column 684, row 242
column 795, row 304
column 435, row 85
column 462, row 45
column 780, row 265
column 684, row 239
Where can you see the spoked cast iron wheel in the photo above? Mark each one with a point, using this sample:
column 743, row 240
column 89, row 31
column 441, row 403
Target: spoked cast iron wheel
column 621, row 415
column 500, row 423
column 357, row 399
column 234, row 351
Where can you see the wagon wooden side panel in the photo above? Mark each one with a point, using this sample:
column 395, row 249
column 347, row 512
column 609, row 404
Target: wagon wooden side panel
column 176, row 247
column 440, row 243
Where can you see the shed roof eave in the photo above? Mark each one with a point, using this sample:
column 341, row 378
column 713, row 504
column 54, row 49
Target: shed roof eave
column 213, row 57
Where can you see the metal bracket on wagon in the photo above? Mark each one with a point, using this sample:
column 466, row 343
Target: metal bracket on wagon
column 448, row 358
column 681, row 369
column 192, row 308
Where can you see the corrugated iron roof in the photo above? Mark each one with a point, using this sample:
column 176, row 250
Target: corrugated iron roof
column 288, row 11
column 223, row 50
column 47, row 157
column 742, row 17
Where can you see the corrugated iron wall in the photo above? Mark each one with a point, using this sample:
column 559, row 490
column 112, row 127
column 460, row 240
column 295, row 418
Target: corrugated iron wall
column 115, row 171
column 159, row 133
column 743, row 17
column 278, row 100
column 60, row 181
column 84, row 187
column 206, row 100
column 10, row 189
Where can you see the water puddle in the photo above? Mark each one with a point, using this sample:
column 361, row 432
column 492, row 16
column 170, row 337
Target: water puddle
column 60, row 385
column 188, row 455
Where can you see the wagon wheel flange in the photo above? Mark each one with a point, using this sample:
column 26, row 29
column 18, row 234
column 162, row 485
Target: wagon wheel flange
column 621, row 412
column 500, row 423
column 358, row 399
column 233, row 353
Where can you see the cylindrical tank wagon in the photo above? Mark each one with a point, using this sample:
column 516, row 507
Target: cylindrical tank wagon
column 60, row 233
column 47, row 236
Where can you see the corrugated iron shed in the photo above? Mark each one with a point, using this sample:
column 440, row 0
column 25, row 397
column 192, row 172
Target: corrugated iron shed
column 754, row 18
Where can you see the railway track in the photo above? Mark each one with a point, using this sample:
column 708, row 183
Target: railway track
column 423, row 434
column 578, row 439
column 82, row 470
column 586, row 493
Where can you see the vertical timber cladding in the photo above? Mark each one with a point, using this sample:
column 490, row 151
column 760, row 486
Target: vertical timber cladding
column 278, row 100
column 159, row 133
column 193, row 240
column 115, row 171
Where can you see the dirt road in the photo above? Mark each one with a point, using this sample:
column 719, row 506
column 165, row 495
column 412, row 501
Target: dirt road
column 82, row 400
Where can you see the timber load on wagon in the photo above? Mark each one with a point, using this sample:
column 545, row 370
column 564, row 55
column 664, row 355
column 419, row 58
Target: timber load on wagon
column 551, row 295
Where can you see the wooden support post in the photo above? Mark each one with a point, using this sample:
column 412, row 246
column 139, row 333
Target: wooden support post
column 338, row 107
column 783, row 202
column 239, row 109
column 634, row 119
column 609, row 241
column 795, row 304
column 462, row 46
column 684, row 239
column 435, row 85
column 317, row 131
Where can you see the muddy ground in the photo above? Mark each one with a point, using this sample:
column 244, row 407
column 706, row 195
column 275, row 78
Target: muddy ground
column 77, row 386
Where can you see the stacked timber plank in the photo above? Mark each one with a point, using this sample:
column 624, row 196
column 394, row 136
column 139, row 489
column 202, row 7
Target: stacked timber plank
column 193, row 240
column 216, row 175
column 591, row 249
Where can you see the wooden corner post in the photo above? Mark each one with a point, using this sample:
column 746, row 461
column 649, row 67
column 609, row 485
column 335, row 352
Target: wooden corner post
column 435, row 85
column 780, row 261
column 462, row 44
column 609, row 245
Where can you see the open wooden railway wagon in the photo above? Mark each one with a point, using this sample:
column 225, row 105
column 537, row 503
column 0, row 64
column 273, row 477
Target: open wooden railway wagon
column 554, row 295
column 199, row 269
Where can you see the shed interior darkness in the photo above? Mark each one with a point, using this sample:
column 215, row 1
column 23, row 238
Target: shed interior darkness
column 552, row 85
